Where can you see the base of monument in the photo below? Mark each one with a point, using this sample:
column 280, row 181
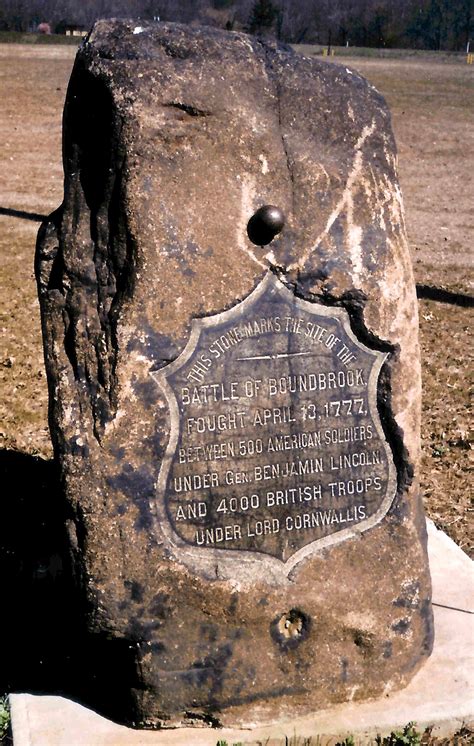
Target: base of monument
column 440, row 696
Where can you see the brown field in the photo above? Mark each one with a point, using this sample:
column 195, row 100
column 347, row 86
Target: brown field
column 432, row 102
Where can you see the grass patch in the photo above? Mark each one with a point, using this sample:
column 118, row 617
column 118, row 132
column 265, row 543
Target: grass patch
column 4, row 716
column 407, row 736
column 16, row 37
column 312, row 50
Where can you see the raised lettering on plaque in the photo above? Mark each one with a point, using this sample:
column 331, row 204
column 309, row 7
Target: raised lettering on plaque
column 276, row 441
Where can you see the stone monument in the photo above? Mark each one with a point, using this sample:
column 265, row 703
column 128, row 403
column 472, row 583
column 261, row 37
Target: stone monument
column 230, row 330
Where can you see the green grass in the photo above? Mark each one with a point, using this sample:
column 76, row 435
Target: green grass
column 422, row 54
column 15, row 37
column 4, row 716
column 408, row 736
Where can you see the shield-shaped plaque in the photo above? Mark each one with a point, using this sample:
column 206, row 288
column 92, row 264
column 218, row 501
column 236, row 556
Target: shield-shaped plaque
column 276, row 444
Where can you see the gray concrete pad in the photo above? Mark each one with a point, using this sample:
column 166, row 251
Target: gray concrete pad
column 440, row 695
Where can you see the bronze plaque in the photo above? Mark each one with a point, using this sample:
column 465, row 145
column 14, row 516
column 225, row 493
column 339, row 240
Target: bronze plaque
column 276, row 442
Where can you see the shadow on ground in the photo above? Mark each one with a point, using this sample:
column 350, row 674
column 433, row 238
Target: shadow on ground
column 428, row 292
column 46, row 648
column 23, row 215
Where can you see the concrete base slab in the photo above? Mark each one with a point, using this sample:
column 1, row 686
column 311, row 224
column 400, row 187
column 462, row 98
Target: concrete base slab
column 440, row 695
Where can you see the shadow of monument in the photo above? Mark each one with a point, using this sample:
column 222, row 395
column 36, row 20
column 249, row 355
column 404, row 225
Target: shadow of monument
column 45, row 646
column 429, row 292
column 36, row 217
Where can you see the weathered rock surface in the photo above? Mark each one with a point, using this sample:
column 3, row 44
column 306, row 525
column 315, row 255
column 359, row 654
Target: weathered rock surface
column 174, row 136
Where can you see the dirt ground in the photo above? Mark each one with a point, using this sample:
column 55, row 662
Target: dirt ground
column 432, row 104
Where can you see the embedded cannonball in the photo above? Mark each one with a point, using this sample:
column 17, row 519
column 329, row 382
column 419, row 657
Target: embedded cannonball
column 265, row 224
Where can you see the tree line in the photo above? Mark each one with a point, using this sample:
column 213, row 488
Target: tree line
column 418, row 24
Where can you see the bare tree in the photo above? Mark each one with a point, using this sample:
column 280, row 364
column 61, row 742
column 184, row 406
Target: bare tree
column 436, row 24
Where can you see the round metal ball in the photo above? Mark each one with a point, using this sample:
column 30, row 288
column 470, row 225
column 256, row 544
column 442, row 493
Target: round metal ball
column 265, row 224
column 271, row 218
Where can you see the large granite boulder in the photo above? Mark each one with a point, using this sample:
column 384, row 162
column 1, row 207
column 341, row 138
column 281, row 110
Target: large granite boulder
column 173, row 138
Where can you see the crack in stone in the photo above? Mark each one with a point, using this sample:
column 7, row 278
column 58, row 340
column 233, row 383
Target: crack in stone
column 345, row 202
column 285, row 148
column 192, row 111
column 269, row 56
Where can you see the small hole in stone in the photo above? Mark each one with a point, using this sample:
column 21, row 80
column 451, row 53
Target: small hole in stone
column 290, row 629
column 290, row 626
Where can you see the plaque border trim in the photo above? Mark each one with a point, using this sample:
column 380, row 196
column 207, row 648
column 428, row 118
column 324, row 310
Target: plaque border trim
column 222, row 562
